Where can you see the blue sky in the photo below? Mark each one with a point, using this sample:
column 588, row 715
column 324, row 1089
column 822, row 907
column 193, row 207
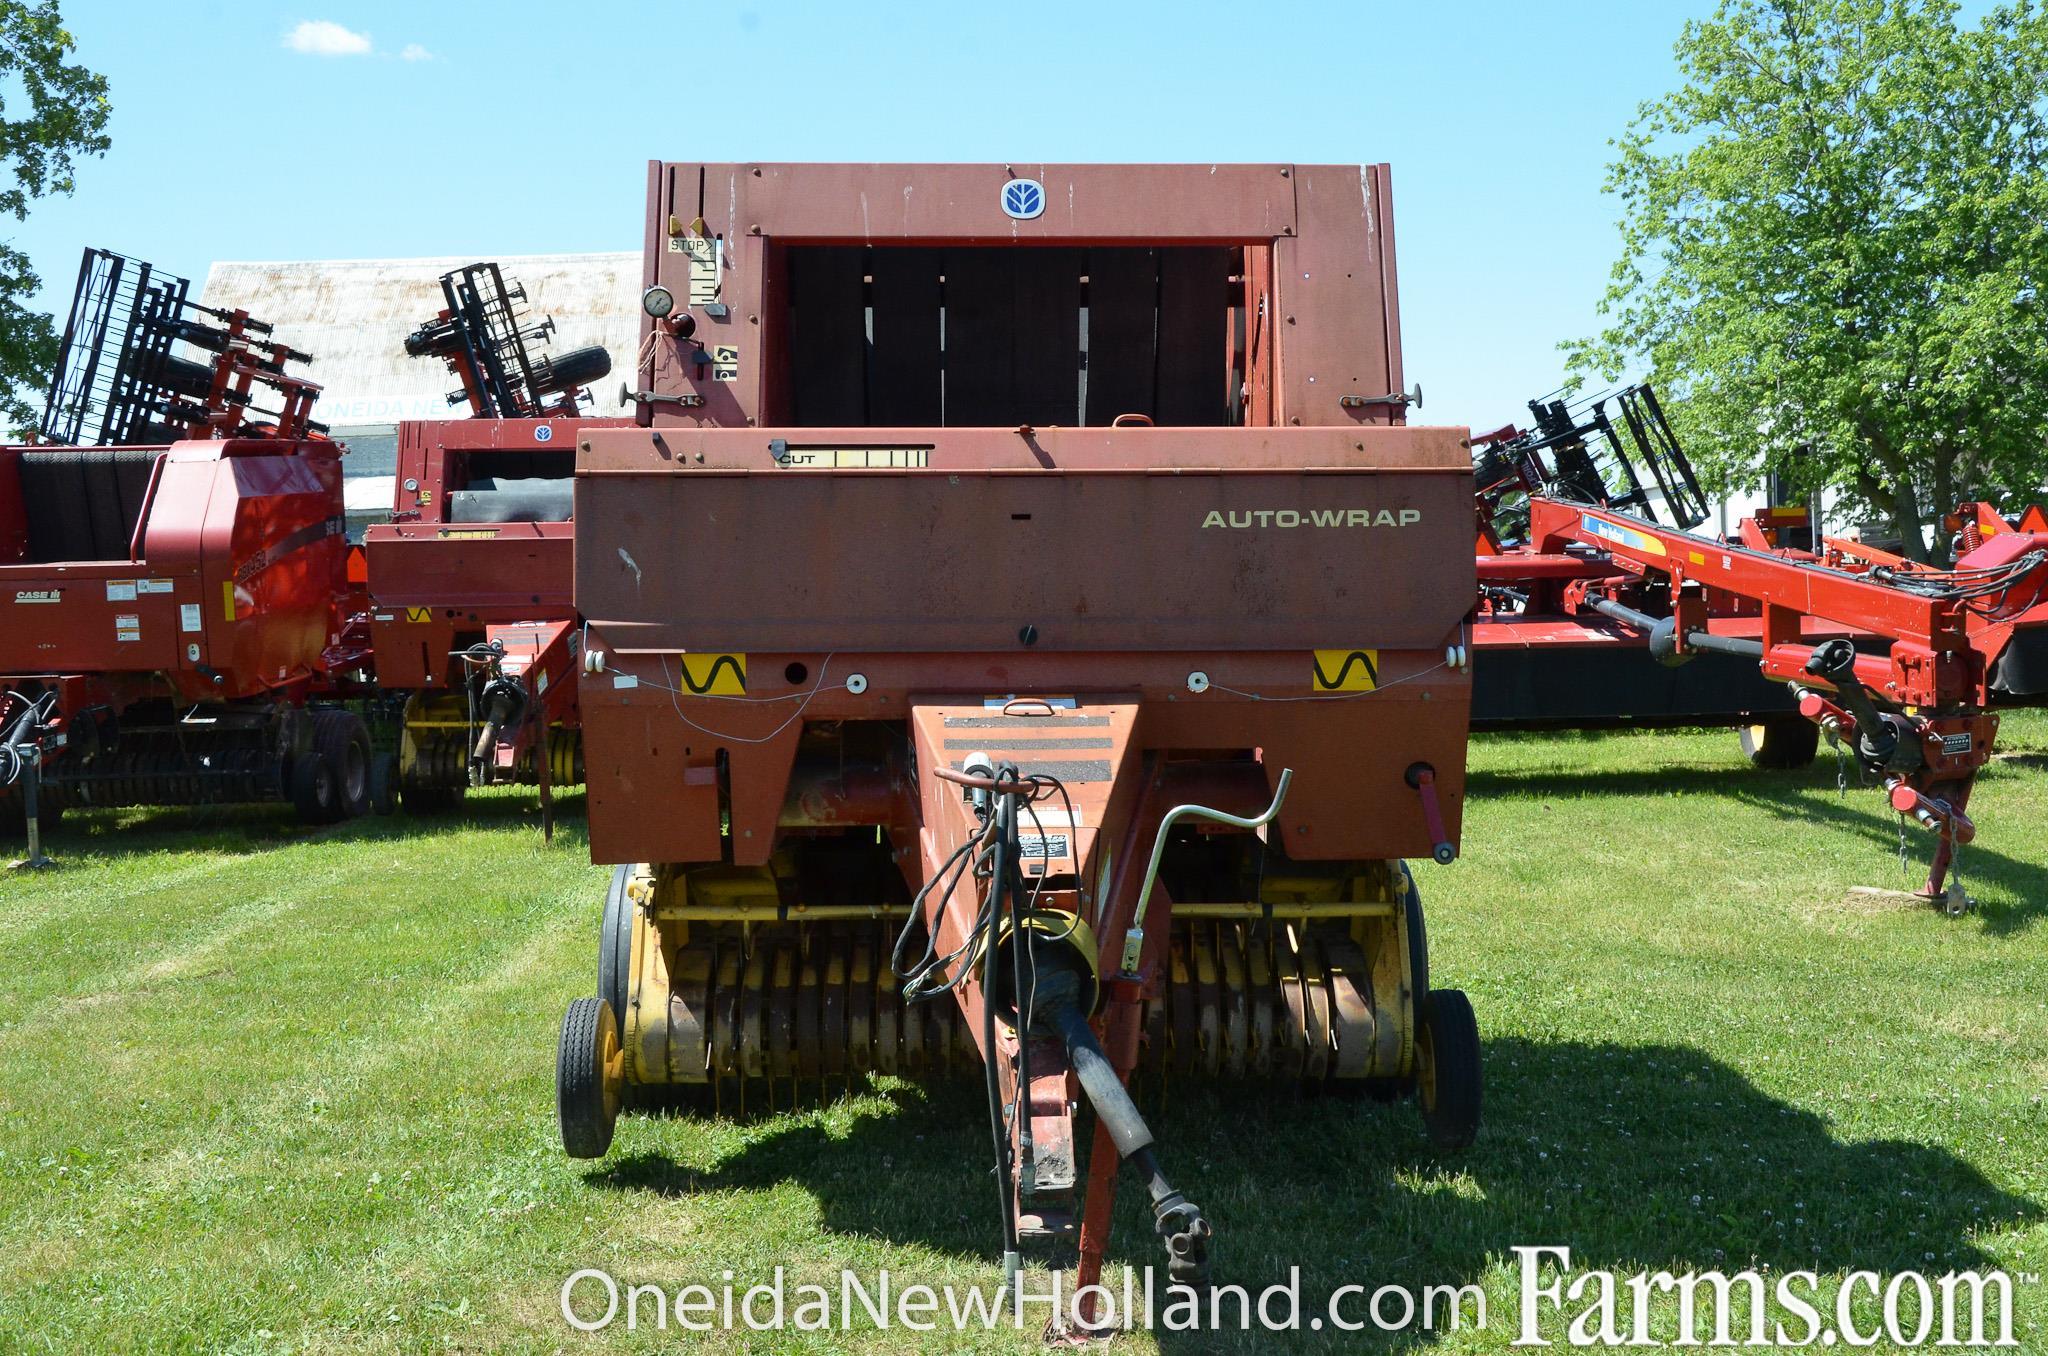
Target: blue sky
column 521, row 127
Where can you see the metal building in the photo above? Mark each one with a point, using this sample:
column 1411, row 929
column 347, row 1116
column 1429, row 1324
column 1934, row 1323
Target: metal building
column 353, row 316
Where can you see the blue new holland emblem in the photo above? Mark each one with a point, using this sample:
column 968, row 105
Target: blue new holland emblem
column 1023, row 199
column 543, row 433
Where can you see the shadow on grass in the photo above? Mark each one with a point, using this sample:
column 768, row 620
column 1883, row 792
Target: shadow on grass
column 1634, row 1157
column 1799, row 796
column 108, row 834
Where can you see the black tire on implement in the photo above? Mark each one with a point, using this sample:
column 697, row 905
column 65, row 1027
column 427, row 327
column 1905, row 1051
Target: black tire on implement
column 1418, row 936
column 344, row 741
column 430, row 800
column 1780, row 742
column 384, row 784
column 315, row 797
column 615, row 945
column 1447, row 1069
column 588, row 1114
column 14, row 814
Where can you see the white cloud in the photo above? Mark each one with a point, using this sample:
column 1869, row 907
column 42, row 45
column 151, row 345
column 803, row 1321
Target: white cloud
column 322, row 37
column 414, row 52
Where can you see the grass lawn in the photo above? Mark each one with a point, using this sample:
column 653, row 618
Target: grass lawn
column 270, row 1090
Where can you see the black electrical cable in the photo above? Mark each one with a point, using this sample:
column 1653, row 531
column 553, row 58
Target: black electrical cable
column 1006, row 834
column 948, row 873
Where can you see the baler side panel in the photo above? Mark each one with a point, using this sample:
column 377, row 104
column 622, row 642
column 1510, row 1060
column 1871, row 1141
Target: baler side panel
column 269, row 534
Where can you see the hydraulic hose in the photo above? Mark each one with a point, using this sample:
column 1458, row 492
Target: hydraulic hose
column 1178, row 1220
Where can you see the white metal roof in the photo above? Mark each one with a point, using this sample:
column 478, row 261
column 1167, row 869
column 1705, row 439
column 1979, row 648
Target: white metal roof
column 353, row 315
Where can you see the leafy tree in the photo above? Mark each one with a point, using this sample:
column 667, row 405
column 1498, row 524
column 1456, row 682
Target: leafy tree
column 1835, row 238
column 52, row 111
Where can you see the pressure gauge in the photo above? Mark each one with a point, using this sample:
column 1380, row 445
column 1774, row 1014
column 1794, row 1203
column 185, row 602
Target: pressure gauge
column 658, row 301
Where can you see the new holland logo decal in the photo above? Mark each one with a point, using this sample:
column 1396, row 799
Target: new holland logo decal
column 1023, row 199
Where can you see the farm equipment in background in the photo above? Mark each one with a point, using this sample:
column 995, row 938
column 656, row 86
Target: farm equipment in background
column 955, row 701
column 120, row 383
column 495, row 351
column 473, row 619
column 1894, row 661
column 170, row 611
column 1542, row 665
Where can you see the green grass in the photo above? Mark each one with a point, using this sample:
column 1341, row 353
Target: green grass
column 270, row 1090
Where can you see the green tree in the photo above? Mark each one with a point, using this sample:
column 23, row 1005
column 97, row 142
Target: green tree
column 1835, row 238
column 52, row 111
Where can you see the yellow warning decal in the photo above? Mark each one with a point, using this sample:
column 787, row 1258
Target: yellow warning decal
column 715, row 675
column 702, row 252
column 416, row 615
column 1346, row 670
column 227, row 597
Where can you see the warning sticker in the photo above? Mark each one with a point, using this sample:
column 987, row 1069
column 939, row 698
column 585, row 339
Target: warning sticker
column 703, row 255
column 127, row 626
column 120, row 590
column 725, row 362
column 1037, row 847
column 1345, row 670
column 715, row 675
column 188, row 616
column 152, row 586
column 793, row 456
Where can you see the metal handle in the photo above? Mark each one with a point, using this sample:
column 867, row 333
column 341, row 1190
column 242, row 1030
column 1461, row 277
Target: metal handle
column 1134, row 936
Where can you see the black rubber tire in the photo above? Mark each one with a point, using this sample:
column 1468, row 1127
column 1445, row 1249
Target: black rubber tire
column 615, row 945
column 344, row 741
column 14, row 815
column 587, row 1118
column 1780, row 742
column 1418, row 935
column 384, row 784
column 1448, row 1081
column 315, row 797
column 430, row 800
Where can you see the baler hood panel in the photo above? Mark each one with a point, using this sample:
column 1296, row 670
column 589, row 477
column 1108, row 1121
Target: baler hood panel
column 1256, row 540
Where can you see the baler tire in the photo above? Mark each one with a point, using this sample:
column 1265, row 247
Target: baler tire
column 14, row 815
column 1780, row 743
column 384, row 784
column 1448, row 1082
column 344, row 741
column 1418, row 936
column 316, row 798
column 586, row 1108
column 615, row 944
column 430, row 800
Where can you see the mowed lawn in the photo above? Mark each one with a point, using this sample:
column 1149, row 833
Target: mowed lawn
column 264, row 1089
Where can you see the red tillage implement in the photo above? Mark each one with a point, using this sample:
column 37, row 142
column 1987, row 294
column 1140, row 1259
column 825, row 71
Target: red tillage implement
column 1897, row 662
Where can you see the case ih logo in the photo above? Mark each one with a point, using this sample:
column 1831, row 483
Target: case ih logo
column 1023, row 199
column 38, row 596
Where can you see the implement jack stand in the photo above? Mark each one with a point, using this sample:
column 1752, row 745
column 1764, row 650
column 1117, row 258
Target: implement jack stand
column 35, row 861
